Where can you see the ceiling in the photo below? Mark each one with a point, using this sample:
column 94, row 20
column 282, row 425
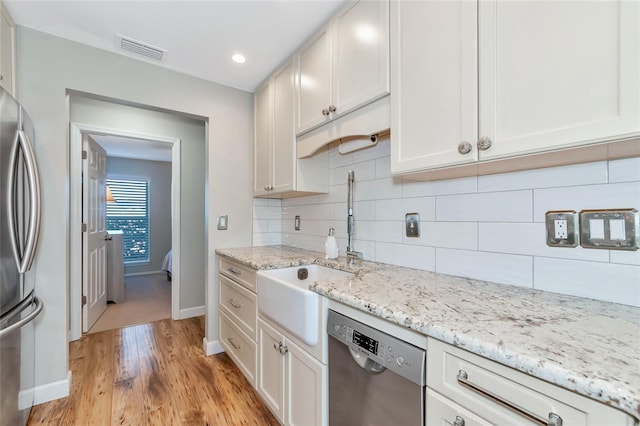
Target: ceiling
column 199, row 36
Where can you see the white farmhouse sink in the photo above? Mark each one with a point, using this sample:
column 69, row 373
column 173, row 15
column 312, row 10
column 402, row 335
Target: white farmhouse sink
column 287, row 300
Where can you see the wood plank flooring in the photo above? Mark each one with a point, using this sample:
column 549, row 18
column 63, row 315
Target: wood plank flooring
column 153, row 374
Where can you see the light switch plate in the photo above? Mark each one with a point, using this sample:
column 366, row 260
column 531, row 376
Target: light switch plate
column 562, row 228
column 412, row 224
column 223, row 222
column 296, row 223
column 617, row 229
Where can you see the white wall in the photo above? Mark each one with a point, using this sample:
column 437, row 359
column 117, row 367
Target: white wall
column 158, row 174
column 47, row 67
column 487, row 227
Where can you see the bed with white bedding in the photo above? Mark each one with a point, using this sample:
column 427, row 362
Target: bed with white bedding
column 166, row 264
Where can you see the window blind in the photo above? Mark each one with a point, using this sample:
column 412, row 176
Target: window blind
column 130, row 213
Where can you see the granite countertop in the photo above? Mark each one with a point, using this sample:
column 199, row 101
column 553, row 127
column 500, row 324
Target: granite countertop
column 587, row 346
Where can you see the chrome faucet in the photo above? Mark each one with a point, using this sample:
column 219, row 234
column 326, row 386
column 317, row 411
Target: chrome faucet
column 351, row 253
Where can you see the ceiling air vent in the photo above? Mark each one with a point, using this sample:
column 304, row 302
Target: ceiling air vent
column 140, row 48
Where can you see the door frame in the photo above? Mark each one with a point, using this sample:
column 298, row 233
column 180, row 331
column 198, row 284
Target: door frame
column 76, row 130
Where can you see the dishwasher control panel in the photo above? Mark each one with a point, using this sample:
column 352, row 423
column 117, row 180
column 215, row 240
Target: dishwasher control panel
column 397, row 355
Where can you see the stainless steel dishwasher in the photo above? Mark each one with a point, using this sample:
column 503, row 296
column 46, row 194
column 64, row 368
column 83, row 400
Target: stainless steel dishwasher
column 374, row 378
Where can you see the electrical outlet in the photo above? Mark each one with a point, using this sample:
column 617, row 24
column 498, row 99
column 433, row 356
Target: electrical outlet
column 223, row 222
column 562, row 228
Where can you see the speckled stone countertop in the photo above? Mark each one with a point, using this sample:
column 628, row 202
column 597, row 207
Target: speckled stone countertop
column 587, row 346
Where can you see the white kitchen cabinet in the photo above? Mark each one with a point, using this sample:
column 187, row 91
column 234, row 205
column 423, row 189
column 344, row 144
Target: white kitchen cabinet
column 7, row 52
column 499, row 79
column 468, row 380
column 290, row 381
column 344, row 66
column 237, row 315
column 440, row 411
column 277, row 171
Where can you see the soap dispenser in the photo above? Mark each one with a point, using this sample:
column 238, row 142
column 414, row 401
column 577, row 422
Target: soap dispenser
column 331, row 246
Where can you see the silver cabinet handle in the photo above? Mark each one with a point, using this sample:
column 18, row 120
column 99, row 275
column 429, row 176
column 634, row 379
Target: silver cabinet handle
column 459, row 421
column 234, row 304
column 325, row 112
column 230, row 340
column 332, row 108
column 276, row 346
column 24, row 257
column 484, row 143
column 464, row 147
column 552, row 419
column 234, row 271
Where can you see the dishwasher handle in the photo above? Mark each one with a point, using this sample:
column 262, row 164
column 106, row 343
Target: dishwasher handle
column 367, row 364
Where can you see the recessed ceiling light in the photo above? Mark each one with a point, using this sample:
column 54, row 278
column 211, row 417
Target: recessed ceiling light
column 238, row 58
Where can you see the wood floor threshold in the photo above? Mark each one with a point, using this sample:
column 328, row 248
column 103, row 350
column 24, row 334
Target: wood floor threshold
column 153, row 374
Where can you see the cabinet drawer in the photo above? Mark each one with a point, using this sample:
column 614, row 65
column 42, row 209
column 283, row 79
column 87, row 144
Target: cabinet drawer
column 441, row 411
column 468, row 379
column 240, row 304
column 239, row 347
column 239, row 273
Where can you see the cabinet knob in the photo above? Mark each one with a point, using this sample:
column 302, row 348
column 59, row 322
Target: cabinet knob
column 459, row 421
column 484, row 143
column 325, row 112
column 284, row 350
column 276, row 347
column 464, row 147
column 332, row 108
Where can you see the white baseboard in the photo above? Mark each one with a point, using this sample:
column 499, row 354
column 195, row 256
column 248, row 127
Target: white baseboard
column 51, row 391
column 192, row 312
column 211, row 348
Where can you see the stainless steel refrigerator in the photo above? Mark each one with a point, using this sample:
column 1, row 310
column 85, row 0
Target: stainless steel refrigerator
column 19, row 228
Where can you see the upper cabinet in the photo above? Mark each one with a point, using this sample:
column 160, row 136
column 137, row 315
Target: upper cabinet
column 7, row 52
column 498, row 79
column 344, row 66
column 277, row 172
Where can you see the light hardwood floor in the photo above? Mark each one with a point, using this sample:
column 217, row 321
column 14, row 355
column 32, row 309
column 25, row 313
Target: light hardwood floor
column 153, row 374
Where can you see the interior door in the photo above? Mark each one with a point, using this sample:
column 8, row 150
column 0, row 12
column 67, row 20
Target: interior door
column 94, row 244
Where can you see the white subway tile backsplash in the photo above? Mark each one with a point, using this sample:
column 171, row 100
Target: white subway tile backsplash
column 488, row 228
column 379, row 189
column 361, row 172
column 457, row 235
column 395, row 209
column 608, row 196
column 383, row 167
column 510, row 206
column 625, row 257
column 603, row 281
column 626, row 170
column 495, row 267
column 417, row 257
column 579, row 174
column 411, row 188
column 530, row 239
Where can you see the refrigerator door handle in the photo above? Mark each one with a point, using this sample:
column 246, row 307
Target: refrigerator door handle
column 22, row 142
column 36, row 311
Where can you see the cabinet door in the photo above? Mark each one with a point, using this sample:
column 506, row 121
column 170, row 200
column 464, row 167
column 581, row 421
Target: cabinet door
column 313, row 81
column 434, row 83
column 271, row 369
column 306, row 402
column 283, row 135
column 441, row 411
column 557, row 74
column 262, row 141
column 360, row 36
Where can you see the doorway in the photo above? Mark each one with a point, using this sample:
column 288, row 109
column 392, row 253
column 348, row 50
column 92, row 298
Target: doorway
column 77, row 131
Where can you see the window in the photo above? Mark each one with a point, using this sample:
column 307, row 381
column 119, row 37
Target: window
column 130, row 213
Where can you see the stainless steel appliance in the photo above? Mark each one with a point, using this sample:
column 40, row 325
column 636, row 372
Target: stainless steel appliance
column 374, row 378
column 19, row 228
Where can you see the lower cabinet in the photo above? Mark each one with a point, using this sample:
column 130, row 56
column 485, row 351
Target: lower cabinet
column 466, row 389
column 290, row 381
